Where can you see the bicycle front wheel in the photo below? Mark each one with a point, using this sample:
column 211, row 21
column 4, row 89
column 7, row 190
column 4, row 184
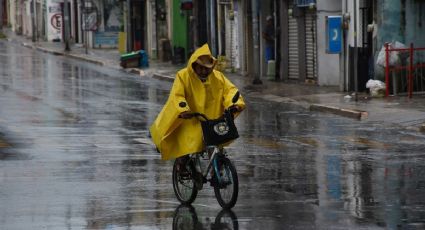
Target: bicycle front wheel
column 226, row 186
column 184, row 184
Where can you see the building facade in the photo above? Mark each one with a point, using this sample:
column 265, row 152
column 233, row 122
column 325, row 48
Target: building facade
column 170, row 30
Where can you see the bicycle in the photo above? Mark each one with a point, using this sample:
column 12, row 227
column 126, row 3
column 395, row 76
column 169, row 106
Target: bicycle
column 220, row 171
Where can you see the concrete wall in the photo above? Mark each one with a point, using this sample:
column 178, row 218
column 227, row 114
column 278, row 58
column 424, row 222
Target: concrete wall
column 401, row 20
column 415, row 23
column 12, row 14
column 328, row 64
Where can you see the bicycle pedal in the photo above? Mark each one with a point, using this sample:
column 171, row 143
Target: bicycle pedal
column 213, row 182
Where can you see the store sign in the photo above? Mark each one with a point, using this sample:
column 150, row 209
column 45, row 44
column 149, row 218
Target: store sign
column 106, row 39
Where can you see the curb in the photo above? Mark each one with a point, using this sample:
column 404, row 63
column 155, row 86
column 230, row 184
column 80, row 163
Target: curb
column 162, row 77
column 46, row 50
column 351, row 113
column 94, row 61
column 63, row 53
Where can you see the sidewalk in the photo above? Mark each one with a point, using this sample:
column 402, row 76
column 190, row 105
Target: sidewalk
column 400, row 110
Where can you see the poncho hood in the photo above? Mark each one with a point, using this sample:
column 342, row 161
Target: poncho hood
column 203, row 50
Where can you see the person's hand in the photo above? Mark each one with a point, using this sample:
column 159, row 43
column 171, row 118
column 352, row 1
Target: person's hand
column 185, row 115
column 235, row 108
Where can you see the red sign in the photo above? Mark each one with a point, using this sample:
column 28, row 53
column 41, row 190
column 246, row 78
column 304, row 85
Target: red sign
column 56, row 21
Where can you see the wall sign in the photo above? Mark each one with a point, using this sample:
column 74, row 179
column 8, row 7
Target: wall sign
column 334, row 34
column 55, row 19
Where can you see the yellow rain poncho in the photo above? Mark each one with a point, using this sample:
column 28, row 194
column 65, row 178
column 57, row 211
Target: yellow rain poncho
column 175, row 137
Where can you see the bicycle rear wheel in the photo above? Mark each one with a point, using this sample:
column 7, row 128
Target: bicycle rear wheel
column 184, row 184
column 227, row 187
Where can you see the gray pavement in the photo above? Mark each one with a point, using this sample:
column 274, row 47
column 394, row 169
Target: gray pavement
column 400, row 110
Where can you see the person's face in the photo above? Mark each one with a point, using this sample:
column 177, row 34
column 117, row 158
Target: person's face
column 201, row 71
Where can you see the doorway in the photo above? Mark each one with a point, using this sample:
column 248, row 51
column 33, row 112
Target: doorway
column 138, row 22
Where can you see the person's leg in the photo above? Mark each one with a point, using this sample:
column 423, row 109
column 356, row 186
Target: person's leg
column 268, row 53
column 181, row 167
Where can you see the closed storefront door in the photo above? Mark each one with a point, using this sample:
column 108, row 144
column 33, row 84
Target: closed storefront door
column 311, row 44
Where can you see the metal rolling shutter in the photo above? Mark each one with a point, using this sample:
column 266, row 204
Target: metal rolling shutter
column 231, row 39
column 293, row 67
column 311, row 44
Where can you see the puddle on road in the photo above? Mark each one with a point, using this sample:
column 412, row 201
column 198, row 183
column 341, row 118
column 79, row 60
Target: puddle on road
column 307, row 141
column 4, row 144
column 361, row 141
column 265, row 142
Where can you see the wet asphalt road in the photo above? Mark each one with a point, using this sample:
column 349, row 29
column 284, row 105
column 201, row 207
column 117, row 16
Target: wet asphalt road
column 74, row 154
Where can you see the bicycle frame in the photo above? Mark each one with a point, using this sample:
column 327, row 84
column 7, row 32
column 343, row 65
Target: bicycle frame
column 212, row 162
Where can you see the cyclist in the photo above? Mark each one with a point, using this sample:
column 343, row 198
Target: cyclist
column 196, row 88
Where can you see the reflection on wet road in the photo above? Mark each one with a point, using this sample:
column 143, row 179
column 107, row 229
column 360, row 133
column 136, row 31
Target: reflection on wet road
column 186, row 218
column 74, row 154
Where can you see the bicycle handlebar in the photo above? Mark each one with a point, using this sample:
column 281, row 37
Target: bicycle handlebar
column 195, row 114
column 231, row 109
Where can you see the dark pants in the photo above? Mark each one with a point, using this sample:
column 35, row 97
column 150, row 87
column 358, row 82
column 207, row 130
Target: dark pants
column 269, row 53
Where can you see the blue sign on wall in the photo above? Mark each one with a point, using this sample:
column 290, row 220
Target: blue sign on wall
column 334, row 34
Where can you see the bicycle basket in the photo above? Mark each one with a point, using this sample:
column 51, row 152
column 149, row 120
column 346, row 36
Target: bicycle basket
column 219, row 131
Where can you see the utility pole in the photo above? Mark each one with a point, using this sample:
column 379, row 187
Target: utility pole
column 83, row 24
column 128, row 32
column 213, row 28
column 256, row 42
column 1, row 15
column 356, row 87
column 34, row 24
column 66, row 24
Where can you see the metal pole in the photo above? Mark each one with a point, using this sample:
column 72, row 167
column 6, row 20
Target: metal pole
column 86, row 43
column 1, row 15
column 129, row 40
column 256, row 42
column 66, row 24
column 213, row 29
column 34, row 29
column 411, row 71
column 387, row 71
column 356, row 87
column 83, row 24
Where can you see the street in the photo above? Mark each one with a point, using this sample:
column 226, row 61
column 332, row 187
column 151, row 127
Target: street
column 75, row 154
